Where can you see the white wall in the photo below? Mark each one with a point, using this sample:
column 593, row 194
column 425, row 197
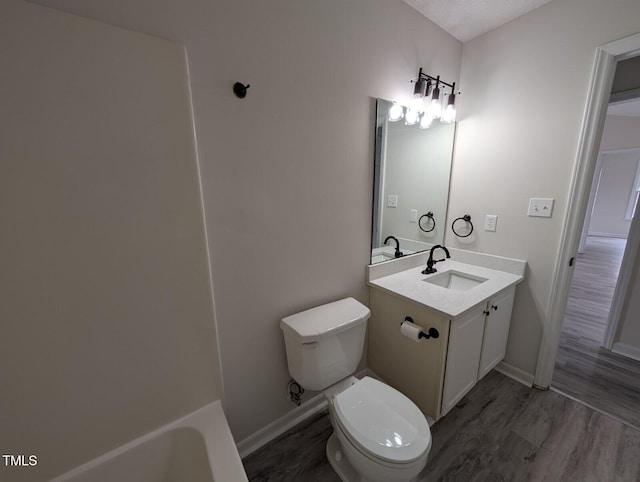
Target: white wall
column 525, row 87
column 620, row 133
column 107, row 327
column 288, row 171
column 615, row 182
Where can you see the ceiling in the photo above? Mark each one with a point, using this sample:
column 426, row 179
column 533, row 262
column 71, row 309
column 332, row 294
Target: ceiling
column 467, row 19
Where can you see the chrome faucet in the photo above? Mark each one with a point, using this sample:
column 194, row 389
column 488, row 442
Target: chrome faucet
column 430, row 262
column 398, row 253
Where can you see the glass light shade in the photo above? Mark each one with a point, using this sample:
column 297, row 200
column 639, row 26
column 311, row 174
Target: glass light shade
column 425, row 121
column 396, row 112
column 418, row 104
column 449, row 114
column 412, row 117
column 435, row 108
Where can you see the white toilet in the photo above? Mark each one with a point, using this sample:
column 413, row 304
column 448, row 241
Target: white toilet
column 379, row 434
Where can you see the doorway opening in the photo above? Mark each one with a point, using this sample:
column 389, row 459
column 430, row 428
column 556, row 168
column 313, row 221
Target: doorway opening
column 585, row 367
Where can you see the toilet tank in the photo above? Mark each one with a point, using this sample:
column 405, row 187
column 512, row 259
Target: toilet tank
column 324, row 344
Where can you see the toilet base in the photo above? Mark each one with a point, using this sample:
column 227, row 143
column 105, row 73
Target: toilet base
column 339, row 462
column 344, row 469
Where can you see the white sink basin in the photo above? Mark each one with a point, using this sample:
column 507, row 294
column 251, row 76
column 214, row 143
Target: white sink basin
column 455, row 280
column 377, row 258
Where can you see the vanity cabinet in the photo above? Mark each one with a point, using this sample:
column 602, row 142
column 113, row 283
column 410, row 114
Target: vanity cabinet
column 477, row 343
column 464, row 351
column 414, row 368
column 496, row 330
column 437, row 372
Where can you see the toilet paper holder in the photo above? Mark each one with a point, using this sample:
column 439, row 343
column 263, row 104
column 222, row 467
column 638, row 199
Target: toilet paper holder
column 433, row 333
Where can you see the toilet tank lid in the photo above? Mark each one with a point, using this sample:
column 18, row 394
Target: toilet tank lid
column 326, row 319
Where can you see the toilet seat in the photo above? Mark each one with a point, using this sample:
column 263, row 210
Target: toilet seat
column 382, row 422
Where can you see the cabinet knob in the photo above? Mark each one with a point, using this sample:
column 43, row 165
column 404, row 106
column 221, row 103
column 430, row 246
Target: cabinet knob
column 495, row 307
column 486, row 313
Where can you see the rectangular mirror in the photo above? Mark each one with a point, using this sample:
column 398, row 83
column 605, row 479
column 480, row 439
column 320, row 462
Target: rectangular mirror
column 412, row 169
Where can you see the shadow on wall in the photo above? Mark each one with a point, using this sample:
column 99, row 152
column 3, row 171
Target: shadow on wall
column 527, row 323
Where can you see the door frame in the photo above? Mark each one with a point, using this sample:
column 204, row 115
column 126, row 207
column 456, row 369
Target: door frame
column 603, row 71
column 624, row 281
column 595, row 182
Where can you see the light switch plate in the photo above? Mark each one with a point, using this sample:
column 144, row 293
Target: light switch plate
column 490, row 222
column 392, row 201
column 413, row 216
column 540, row 207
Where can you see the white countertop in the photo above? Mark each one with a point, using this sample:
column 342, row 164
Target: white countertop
column 410, row 284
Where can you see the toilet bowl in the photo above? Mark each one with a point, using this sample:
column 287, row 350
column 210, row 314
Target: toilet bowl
column 382, row 434
column 379, row 434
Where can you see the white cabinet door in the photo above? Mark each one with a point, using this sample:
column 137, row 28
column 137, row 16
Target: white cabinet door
column 496, row 331
column 463, row 357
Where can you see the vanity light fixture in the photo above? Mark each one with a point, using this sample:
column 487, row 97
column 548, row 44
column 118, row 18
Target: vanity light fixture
column 449, row 113
column 427, row 103
column 425, row 121
column 422, row 87
column 412, row 116
column 435, row 108
column 396, row 112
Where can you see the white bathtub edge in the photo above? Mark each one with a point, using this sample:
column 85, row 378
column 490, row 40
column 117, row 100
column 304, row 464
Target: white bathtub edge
column 223, row 454
column 211, row 422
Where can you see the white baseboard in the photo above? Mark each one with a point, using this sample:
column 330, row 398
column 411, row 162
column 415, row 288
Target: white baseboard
column 289, row 420
column 515, row 373
column 626, row 350
column 608, row 235
column 279, row 426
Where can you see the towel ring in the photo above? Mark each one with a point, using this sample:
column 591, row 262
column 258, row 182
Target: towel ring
column 429, row 215
column 466, row 218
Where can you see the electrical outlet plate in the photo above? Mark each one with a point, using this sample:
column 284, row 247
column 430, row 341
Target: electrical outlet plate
column 540, row 207
column 413, row 216
column 490, row 222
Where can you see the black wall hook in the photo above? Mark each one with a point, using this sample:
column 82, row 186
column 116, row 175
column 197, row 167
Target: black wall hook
column 240, row 90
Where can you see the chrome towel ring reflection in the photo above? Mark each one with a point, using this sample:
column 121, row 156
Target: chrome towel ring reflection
column 467, row 219
column 429, row 216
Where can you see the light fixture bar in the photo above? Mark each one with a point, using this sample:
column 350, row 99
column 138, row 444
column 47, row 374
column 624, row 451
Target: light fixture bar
column 438, row 80
column 434, row 108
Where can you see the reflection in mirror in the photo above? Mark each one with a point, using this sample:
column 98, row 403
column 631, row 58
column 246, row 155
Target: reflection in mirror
column 411, row 185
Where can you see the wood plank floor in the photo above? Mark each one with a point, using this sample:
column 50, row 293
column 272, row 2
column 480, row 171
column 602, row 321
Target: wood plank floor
column 584, row 370
column 501, row 431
